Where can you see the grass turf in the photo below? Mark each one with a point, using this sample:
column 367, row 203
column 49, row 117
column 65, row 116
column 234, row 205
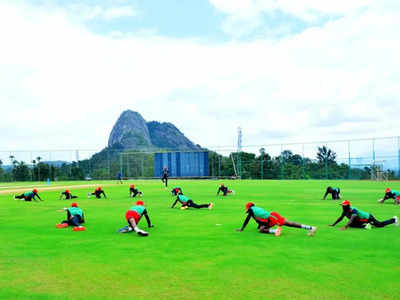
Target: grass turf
column 188, row 256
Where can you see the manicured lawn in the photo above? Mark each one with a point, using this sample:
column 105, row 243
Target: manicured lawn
column 188, row 256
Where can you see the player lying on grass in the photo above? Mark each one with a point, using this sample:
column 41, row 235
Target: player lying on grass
column 67, row 195
column 186, row 203
column 360, row 219
column 391, row 194
column 133, row 216
column 28, row 196
column 133, row 191
column 176, row 191
column 75, row 217
column 224, row 189
column 334, row 191
column 267, row 220
column 98, row 192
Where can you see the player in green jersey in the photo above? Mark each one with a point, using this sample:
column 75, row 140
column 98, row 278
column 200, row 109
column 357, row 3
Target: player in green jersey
column 267, row 220
column 133, row 216
column 334, row 191
column 186, row 203
column 75, row 217
column 360, row 219
column 391, row 194
column 28, row 196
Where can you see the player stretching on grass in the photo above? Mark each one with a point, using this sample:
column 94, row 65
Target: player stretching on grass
column 75, row 218
column 97, row 192
column 186, row 203
column 335, row 191
column 133, row 192
column 176, row 191
column 267, row 220
column 28, row 196
column 224, row 189
column 360, row 219
column 164, row 176
column 391, row 194
column 67, row 195
column 133, row 216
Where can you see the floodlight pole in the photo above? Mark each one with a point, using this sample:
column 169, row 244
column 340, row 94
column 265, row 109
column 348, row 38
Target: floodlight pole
column 239, row 150
column 373, row 150
column 303, row 171
column 282, row 164
column 398, row 156
column 120, row 164
column 262, row 152
column 349, row 172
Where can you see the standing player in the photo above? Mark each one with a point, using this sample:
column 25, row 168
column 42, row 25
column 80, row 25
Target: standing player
column 133, row 192
column 164, row 176
column 335, row 191
column 176, row 191
column 224, row 189
column 119, row 177
column 67, row 195
column 28, row 196
column 186, row 203
column 98, row 192
column 267, row 220
column 391, row 194
column 75, row 218
column 360, row 219
column 133, row 216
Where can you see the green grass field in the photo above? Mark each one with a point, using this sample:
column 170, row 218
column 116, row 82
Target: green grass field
column 187, row 256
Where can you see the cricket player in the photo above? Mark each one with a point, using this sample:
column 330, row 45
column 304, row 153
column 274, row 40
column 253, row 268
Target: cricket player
column 98, row 192
column 391, row 194
column 186, row 203
column 334, row 191
column 224, row 189
column 360, row 219
column 164, row 176
column 67, row 195
column 266, row 220
column 133, row 216
column 28, row 196
column 134, row 191
column 75, row 217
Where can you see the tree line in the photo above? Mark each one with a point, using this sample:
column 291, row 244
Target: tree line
column 111, row 160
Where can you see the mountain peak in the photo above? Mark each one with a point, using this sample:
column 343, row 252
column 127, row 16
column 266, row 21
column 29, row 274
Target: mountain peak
column 133, row 132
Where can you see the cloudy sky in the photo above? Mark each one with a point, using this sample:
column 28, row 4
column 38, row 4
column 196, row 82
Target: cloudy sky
column 283, row 70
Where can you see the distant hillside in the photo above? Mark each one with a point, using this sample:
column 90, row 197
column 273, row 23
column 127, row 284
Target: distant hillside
column 132, row 132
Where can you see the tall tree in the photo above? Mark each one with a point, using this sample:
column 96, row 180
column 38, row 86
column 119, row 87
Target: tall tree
column 325, row 154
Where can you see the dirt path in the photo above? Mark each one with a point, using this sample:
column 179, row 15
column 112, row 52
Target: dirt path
column 53, row 188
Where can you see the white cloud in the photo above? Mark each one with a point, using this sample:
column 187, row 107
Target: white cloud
column 245, row 16
column 63, row 86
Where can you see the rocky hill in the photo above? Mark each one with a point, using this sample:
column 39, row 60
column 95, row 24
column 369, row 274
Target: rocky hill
column 131, row 131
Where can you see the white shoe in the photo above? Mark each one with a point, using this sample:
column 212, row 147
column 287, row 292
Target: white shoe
column 233, row 192
column 396, row 221
column 312, row 231
column 210, row 206
column 368, row 226
column 380, row 200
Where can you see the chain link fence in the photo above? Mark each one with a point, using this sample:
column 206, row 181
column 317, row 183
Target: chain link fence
column 374, row 158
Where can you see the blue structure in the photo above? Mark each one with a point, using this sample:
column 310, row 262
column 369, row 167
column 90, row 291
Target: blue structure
column 182, row 164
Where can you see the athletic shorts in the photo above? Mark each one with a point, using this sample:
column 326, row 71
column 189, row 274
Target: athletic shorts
column 273, row 219
column 276, row 219
column 132, row 214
